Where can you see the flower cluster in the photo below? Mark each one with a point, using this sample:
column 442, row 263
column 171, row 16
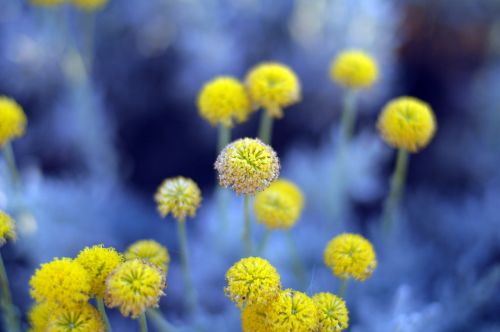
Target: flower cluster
column 12, row 120
column 179, row 196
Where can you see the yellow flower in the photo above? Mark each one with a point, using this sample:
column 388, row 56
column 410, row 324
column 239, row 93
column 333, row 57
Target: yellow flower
column 223, row 100
column 407, row 123
column 252, row 281
column 134, row 286
column 332, row 312
column 99, row 262
column 179, row 196
column 247, row 166
column 62, row 281
column 84, row 318
column 273, row 86
column 279, row 206
column 150, row 251
column 354, row 69
column 7, row 228
column 90, row 5
column 350, row 256
column 293, row 311
column 38, row 316
column 254, row 319
column 12, row 120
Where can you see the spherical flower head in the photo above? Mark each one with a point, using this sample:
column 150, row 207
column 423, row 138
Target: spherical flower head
column 12, row 120
column 279, row 206
column 179, row 196
column 90, row 5
column 7, row 228
column 354, row 69
column 150, row 251
column 273, row 86
column 38, row 316
column 62, row 281
column 84, row 318
column 350, row 256
column 254, row 319
column 247, row 166
column 134, row 286
column 407, row 123
column 223, row 100
column 99, row 262
column 293, row 311
column 252, row 281
column 332, row 312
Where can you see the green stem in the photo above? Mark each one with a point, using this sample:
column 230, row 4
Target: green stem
column 9, row 311
column 266, row 127
column 246, row 226
column 159, row 321
column 143, row 323
column 397, row 186
column 263, row 242
column 102, row 311
column 224, row 137
column 190, row 293
column 297, row 265
column 88, row 42
column 343, row 287
column 11, row 165
column 348, row 119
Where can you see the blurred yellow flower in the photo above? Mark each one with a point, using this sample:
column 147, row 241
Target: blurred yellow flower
column 273, row 86
column 7, row 228
column 354, row 69
column 350, row 256
column 247, row 166
column 12, row 120
column 223, row 100
column 150, row 251
column 293, row 311
column 407, row 123
column 89, row 5
column 38, row 316
column 47, row 3
column 254, row 319
column 252, row 281
column 84, row 318
column 179, row 196
column 279, row 206
column 332, row 312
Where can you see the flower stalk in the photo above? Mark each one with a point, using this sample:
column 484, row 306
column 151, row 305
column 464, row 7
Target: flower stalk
column 102, row 311
column 9, row 311
column 190, row 292
column 143, row 324
column 247, row 226
column 265, row 127
column 397, row 187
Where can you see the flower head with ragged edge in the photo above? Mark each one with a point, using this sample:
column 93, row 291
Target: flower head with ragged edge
column 89, row 5
column 273, row 86
column 150, row 251
column 247, row 166
column 84, row 318
column 135, row 286
column 252, row 281
column 254, row 319
column 7, row 228
column 332, row 312
column 223, row 100
column 99, row 262
column 293, row 311
column 12, row 120
column 354, row 69
column 179, row 196
column 350, row 256
column 280, row 205
column 62, row 281
column 407, row 123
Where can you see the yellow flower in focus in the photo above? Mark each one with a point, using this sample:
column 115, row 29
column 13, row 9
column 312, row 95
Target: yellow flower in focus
column 273, row 86
column 47, row 3
column 12, row 120
column 179, row 196
column 223, row 100
column 293, row 311
column 89, row 5
column 247, row 166
column 38, row 316
column 99, row 262
column 84, row 318
column 407, row 123
column 254, row 319
column 134, row 286
column 150, row 251
column 332, row 312
column 350, row 256
column 7, row 228
column 62, row 281
column 252, row 281
column 354, row 69
column 279, row 206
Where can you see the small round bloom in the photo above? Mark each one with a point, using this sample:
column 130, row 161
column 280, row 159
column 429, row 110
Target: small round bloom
column 280, row 205
column 12, row 120
column 332, row 312
column 179, row 196
column 47, row 3
column 7, row 228
column 84, row 318
column 223, row 100
column 150, row 251
column 247, row 166
column 407, row 123
column 350, row 256
column 90, row 5
column 293, row 311
column 38, row 316
column 273, row 86
column 134, row 286
column 254, row 319
column 62, row 281
column 252, row 281
column 354, row 69
column 99, row 262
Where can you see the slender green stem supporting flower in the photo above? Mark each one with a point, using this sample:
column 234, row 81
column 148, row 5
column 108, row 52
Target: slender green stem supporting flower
column 297, row 265
column 102, row 311
column 11, row 322
column 224, row 137
column 11, row 164
column 263, row 242
column 143, row 323
column 397, row 186
column 246, row 226
column 159, row 321
column 343, row 287
column 266, row 127
column 190, row 292
column 348, row 119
